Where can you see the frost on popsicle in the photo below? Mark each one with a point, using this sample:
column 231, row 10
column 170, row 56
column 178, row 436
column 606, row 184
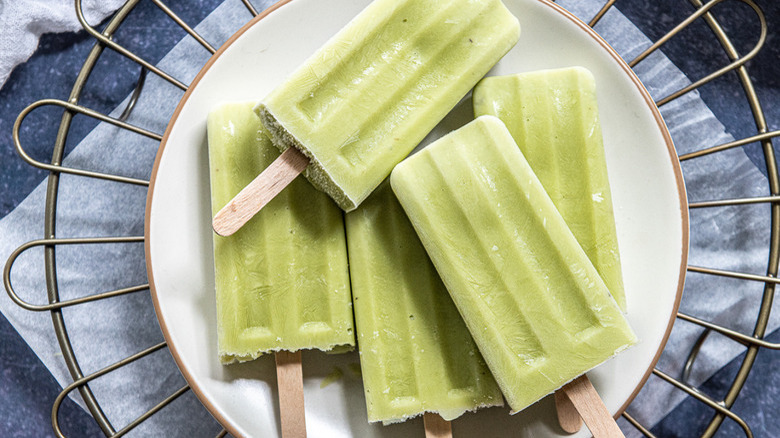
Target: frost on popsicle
column 535, row 305
column 363, row 101
column 553, row 116
column 416, row 353
column 282, row 281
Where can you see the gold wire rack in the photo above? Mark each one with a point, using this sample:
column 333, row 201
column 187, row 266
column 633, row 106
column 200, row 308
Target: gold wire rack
column 103, row 39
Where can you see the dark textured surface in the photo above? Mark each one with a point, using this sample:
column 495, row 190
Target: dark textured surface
column 27, row 390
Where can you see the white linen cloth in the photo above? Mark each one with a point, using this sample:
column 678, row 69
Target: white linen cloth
column 22, row 22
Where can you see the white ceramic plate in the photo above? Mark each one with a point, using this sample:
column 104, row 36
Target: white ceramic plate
column 647, row 187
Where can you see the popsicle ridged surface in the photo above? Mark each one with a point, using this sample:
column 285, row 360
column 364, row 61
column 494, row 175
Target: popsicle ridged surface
column 282, row 281
column 535, row 305
column 416, row 354
column 553, row 116
column 364, row 100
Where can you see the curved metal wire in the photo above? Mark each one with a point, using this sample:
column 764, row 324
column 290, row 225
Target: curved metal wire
column 739, row 61
column 60, row 304
column 139, row 87
column 104, row 39
column 686, row 373
column 764, row 137
column 55, row 168
column 74, row 108
column 698, row 395
column 774, row 245
column 84, row 381
column 50, row 222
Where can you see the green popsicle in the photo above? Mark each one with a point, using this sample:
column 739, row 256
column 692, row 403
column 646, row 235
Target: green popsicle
column 365, row 99
column 553, row 116
column 282, row 281
column 535, row 305
column 416, row 353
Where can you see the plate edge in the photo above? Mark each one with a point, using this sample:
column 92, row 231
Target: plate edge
column 559, row 9
column 213, row 410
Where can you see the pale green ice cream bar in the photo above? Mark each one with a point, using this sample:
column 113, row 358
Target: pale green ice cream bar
column 416, row 353
column 553, row 116
column 364, row 100
column 535, row 305
column 282, row 281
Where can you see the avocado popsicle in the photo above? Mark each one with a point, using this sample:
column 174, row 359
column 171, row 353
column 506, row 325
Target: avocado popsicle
column 366, row 98
column 553, row 116
column 282, row 281
column 416, row 353
column 536, row 307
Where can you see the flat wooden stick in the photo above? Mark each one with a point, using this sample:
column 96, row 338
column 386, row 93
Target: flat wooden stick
column 289, row 380
column 568, row 417
column 591, row 408
column 259, row 192
column 436, row 427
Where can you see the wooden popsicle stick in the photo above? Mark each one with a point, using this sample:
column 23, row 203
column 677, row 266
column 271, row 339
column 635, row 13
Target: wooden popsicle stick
column 568, row 417
column 436, row 427
column 259, row 192
column 289, row 380
column 591, row 408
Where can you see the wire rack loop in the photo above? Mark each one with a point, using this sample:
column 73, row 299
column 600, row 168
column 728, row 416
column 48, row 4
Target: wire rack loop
column 72, row 107
column 139, row 86
column 60, row 304
column 108, row 41
column 700, row 396
column 740, row 61
column 686, row 372
column 84, row 381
